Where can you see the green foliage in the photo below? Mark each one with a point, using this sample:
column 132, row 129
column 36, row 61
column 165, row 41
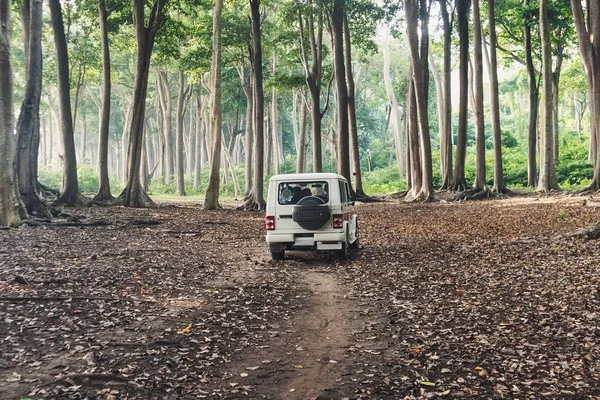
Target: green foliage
column 87, row 179
column 383, row 181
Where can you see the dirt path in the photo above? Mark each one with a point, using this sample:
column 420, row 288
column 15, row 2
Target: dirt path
column 307, row 354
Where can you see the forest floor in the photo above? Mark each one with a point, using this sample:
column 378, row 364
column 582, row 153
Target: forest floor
column 488, row 299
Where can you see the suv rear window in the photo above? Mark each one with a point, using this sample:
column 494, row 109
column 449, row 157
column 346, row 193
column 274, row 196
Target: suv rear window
column 292, row 192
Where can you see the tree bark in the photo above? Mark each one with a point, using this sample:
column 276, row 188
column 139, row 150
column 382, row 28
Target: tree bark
column 256, row 200
column 166, row 105
column 11, row 209
column 199, row 141
column 70, row 188
column 446, row 128
column 182, row 99
column 547, row 179
column 145, row 31
column 414, row 175
column 354, row 147
column 462, row 11
column 532, row 83
column 418, row 11
column 211, row 198
column 588, row 32
column 274, row 122
column 480, row 172
column 499, row 186
column 28, row 135
column 248, row 140
column 314, row 75
column 343, row 142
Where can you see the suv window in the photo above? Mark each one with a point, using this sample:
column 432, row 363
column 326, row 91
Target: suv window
column 292, row 192
column 343, row 192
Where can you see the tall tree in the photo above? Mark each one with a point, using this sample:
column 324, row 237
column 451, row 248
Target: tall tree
column 462, row 13
column 417, row 14
column 354, row 146
column 479, row 183
column 446, row 127
column 70, row 188
column 343, row 142
column 28, row 123
column 182, row 100
column 211, row 198
column 587, row 25
column 104, row 193
column 145, row 33
column 256, row 199
column 499, row 186
column 547, row 179
column 10, row 206
column 313, row 72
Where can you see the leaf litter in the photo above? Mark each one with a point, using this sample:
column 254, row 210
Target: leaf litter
column 444, row 300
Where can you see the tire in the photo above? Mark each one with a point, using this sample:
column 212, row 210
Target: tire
column 277, row 252
column 278, row 255
column 354, row 245
column 311, row 213
column 344, row 253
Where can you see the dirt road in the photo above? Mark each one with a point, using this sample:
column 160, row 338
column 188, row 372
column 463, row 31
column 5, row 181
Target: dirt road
column 470, row 300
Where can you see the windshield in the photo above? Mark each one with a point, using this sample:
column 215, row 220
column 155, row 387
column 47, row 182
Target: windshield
column 292, row 192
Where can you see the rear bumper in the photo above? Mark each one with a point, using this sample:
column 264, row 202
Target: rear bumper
column 322, row 241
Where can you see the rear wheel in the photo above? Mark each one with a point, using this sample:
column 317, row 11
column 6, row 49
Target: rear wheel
column 277, row 252
column 344, row 252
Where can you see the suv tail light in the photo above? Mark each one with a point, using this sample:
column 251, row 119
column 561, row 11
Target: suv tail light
column 338, row 221
column 270, row 222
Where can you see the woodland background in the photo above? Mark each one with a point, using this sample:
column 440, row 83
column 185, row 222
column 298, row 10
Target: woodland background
column 473, row 97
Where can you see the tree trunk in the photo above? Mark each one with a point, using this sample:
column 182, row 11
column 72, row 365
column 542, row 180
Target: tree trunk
column 166, row 105
column 199, row 140
column 547, row 179
column 343, row 142
column 462, row 11
column 499, row 186
column 533, row 107
column 446, row 128
column 414, row 176
column 70, row 188
column 248, row 140
column 314, row 74
column 479, row 183
column 301, row 127
column 181, row 107
column 133, row 195
column 211, row 198
column 588, row 32
column 28, row 134
column 419, row 50
column 256, row 200
column 11, row 208
column 354, row 147
column 274, row 123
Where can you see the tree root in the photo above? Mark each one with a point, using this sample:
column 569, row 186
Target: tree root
column 459, row 186
column 253, row 205
column 72, row 221
column 14, row 299
column 143, row 201
column 476, row 194
column 590, row 233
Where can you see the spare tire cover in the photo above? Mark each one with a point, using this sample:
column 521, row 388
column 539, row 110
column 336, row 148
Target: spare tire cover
column 311, row 213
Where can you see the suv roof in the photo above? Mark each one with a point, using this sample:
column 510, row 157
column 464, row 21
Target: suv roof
column 314, row 175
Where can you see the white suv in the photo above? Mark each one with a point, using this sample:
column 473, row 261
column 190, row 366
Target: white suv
column 308, row 211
